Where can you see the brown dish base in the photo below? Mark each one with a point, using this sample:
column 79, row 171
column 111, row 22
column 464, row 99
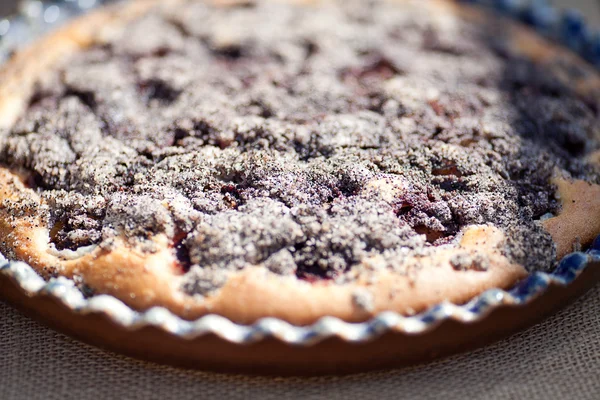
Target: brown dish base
column 272, row 357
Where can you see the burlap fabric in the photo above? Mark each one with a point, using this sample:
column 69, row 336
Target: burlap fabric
column 558, row 359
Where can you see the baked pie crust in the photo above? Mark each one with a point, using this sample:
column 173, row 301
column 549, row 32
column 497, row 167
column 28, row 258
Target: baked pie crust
column 146, row 279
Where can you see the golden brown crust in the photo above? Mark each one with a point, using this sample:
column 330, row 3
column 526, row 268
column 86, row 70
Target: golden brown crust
column 594, row 158
column 144, row 281
column 255, row 293
column 579, row 220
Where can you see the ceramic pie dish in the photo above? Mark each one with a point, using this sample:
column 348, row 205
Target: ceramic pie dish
column 320, row 185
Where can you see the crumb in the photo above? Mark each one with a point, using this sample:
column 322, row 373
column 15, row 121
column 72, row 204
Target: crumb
column 363, row 300
column 461, row 261
column 577, row 244
column 481, row 262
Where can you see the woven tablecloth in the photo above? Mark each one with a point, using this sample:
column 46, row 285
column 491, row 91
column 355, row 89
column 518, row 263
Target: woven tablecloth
column 557, row 359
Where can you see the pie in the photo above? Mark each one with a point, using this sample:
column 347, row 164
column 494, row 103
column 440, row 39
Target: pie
column 296, row 159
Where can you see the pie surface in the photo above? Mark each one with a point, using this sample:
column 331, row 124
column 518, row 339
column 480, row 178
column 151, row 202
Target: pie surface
column 296, row 160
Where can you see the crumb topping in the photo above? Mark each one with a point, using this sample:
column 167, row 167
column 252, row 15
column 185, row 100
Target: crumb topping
column 302, row 138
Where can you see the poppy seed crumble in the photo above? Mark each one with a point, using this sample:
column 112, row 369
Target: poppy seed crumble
column 262, row 134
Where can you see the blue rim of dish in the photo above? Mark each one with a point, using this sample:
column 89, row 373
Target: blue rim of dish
column 569, row 28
